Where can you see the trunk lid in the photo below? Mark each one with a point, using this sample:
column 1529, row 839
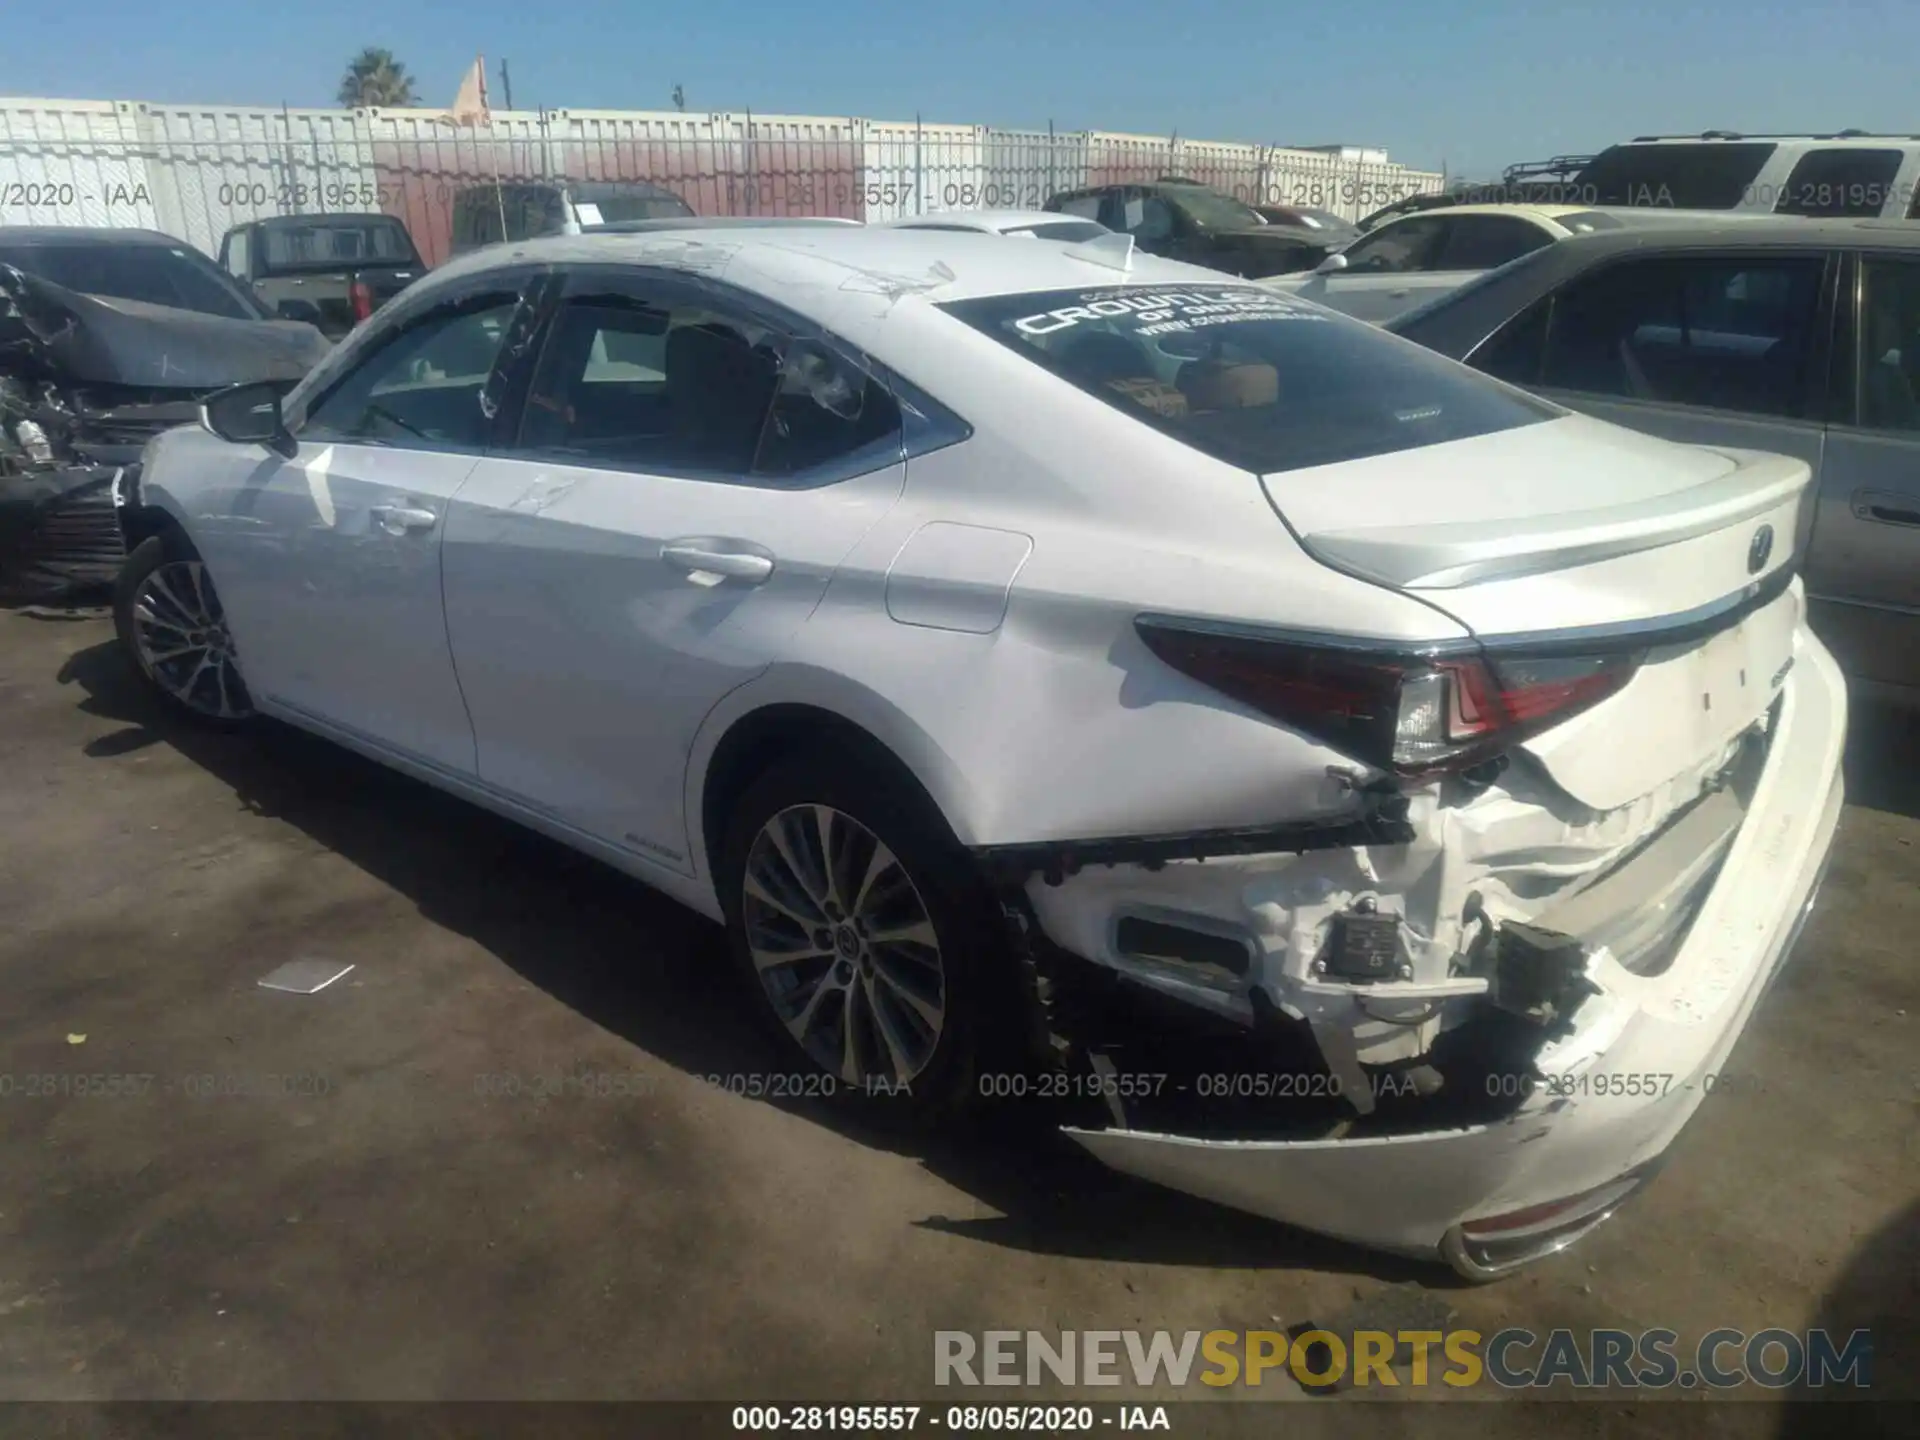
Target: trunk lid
column 1574, row 533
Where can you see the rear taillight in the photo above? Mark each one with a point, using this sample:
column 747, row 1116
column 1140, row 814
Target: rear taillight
column 1415, row 713
column 360, row 296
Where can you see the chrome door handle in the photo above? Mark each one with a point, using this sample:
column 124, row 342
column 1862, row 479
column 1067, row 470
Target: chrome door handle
column 399, row 519
column 718, row 557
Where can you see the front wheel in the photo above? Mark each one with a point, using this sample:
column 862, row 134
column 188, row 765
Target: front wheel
column 866, row 940
column 171, row 624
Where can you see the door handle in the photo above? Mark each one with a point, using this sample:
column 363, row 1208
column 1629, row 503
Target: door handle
column 399, row 519
column 1886, row 508
column 728, row 559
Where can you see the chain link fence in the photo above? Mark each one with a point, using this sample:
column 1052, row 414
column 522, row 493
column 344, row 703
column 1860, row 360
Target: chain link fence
column 195, row 171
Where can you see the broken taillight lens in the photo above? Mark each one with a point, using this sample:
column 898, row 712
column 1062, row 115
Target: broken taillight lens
column 1410, row 712
column 360, row 296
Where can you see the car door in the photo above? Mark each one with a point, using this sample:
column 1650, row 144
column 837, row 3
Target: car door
column 1382, row 268
column 331, row 560
column 688, row 471
column 1703, row 348
column 1864, row 565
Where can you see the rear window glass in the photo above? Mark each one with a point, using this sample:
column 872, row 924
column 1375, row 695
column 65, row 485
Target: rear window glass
column 1068, row 231
column 1713, row 175
column 331, row 244
column 1249, row 376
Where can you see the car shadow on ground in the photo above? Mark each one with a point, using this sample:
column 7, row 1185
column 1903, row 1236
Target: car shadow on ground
column 1883, row 759
column 1879, row 1292
column 656, row 974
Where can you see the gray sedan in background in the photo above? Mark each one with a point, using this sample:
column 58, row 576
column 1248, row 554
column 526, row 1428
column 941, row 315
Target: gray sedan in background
column 1795, row 336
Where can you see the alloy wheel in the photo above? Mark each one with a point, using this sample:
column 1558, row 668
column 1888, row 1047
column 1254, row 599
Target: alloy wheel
column 844, row 946
column 181, row 639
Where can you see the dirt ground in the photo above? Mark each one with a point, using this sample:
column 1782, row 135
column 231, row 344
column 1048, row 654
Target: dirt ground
column 403, row 1235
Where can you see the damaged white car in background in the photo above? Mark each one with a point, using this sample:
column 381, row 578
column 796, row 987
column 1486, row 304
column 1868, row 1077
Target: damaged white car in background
column 1379, row 796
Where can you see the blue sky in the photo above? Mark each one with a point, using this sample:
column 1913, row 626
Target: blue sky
column 1473, row 86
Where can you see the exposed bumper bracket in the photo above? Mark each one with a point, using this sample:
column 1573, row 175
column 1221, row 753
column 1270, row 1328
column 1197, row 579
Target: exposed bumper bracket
column 1382, row 820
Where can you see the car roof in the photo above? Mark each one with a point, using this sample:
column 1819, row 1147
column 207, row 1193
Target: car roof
column 1452, row 322
column 801, row 257
column 1749, row 232
column 329, row 217
column 85, row 235
column 1522, row 211
column 718, row 222
column 983, row 219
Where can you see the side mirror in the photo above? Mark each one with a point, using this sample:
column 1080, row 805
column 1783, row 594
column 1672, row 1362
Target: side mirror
column 1332, row 265
column 304, row 311
column 249, row 415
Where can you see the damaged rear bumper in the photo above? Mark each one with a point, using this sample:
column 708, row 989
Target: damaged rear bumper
column 1598, row 1099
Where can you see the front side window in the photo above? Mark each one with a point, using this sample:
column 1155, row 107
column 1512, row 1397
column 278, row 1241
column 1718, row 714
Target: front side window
column 1486, row 242
column 1840, row 183
column 1889, row 357
column 1150, row 218
column 1728, row 333
column 1408, row 244
column 1250, row 376
column 668, row 384
column 426, row 386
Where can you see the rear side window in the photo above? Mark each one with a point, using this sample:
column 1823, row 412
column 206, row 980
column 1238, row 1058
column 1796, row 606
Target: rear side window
column 1729, row 333
column 1087, row 207
column 1840, row 183
column 637, row 381
column 1710, row 175
column 1486, row 242
column 1249, row 376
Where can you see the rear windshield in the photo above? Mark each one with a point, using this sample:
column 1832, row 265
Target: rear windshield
column 1256, row 378
column 334, row 245
column 1713, row 175
column 1069, row 231
column 173, row 275
column 597, row 204
column 1212, row 209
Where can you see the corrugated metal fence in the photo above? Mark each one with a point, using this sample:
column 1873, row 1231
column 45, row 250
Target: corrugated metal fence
column 194, row 171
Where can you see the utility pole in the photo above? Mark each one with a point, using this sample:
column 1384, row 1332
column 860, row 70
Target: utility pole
column 506, row 85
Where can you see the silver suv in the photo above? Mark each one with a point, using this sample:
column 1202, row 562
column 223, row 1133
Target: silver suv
column 1848, row 174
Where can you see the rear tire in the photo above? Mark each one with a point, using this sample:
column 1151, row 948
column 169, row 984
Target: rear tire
column 174, row 632
column 870, row 948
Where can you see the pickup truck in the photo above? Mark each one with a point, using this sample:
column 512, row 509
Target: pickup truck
column 331, row 271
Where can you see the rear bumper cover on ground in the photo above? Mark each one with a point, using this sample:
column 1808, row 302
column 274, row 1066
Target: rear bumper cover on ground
column 1611, row 1097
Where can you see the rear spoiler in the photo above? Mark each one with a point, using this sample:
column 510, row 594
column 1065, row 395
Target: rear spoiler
column 1446, row 557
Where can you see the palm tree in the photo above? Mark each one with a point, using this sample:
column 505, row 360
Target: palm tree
column 376, row 78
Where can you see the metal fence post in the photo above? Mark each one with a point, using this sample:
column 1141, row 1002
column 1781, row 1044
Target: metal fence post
column 752, row 194
column 1052, row 145
column 919, row 176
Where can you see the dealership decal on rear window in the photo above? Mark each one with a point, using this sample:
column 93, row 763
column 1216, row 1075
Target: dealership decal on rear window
column 1165, row 311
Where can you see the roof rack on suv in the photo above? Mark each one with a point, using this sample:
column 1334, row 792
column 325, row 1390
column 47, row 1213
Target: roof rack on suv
column 1738, row 135
column 1559, row 165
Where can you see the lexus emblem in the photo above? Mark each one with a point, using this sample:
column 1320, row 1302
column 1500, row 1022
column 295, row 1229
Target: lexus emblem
column 1760, row 548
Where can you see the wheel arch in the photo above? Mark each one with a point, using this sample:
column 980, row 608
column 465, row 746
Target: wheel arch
column 760, row 724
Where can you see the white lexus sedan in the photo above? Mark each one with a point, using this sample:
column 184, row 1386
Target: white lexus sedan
column 1359, row 792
